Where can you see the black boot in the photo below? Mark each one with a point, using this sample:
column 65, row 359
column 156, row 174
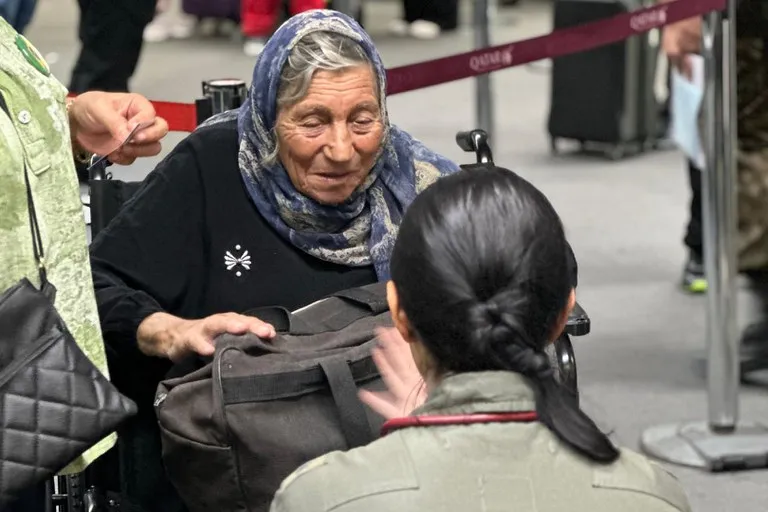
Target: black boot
column 753, row 352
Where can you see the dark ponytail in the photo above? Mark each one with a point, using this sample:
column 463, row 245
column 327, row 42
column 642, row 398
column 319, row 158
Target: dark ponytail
column 483, row 273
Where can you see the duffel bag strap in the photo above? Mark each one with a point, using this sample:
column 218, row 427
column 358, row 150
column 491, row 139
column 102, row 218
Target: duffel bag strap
column 354, row 421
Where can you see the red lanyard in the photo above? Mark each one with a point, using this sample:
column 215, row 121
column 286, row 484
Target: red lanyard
column 457, row 419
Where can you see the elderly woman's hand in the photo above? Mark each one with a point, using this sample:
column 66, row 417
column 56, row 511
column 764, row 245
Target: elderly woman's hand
column 164, row 335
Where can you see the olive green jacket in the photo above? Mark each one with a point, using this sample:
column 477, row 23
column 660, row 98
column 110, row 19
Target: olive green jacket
column 36, row 136
column 481, row 467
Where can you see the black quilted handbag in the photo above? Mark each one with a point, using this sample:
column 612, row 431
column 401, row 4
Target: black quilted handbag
column 54, row 403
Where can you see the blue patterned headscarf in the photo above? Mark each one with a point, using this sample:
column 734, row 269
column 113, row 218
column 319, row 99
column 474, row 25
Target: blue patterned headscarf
column 362, row 230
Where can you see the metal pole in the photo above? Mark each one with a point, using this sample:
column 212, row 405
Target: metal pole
column 225, row 94
column 722, row 443
column 348, row 7
column 483, row 88
column 720, row 224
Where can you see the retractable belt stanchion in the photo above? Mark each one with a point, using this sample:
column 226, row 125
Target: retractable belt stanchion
column 219, row 96
column 483, row 86
column 723, row 443
column 720, row 230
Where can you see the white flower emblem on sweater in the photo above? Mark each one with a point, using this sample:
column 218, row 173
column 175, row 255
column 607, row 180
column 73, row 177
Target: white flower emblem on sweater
column 236, row 263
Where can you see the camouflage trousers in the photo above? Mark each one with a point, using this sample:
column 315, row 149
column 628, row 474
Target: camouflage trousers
column 752, row 178
column 752, row 157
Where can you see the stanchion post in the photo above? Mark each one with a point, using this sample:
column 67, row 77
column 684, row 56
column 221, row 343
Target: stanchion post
column 722, row 443
column 348, row 7
column 225, row 94
column 219, row 96
column 483, row 86
column 720, row 224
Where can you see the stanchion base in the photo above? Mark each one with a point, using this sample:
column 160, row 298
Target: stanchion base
column 697, row 446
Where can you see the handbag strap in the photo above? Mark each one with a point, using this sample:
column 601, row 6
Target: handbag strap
column 37, row 239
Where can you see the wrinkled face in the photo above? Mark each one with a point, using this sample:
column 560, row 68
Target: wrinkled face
column 330, row 139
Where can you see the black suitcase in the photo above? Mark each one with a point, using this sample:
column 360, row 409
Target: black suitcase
column 604, row 98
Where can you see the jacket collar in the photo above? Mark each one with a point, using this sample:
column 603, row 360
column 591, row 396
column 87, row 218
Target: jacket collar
column 480, row 392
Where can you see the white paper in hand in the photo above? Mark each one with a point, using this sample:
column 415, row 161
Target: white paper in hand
column 687, row 96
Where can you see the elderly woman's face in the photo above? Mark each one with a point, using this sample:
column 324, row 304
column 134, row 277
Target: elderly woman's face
column 330, row 139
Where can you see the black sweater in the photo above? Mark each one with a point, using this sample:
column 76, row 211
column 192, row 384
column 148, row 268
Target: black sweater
column 191, row 243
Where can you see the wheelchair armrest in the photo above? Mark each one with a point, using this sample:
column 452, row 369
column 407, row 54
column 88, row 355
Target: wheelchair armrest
column 578, row 322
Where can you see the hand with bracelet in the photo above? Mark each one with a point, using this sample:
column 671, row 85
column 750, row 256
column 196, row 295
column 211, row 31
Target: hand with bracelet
column 100, row 122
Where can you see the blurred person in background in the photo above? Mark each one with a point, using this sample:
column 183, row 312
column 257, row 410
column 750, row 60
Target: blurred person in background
column 683, row 39
column 111, row 33
column 170, row 22
column 694, row 280
column 426, row 19
column 18, row 13
column 259, row 18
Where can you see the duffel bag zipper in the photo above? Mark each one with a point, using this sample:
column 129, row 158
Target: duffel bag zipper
column 17, row 365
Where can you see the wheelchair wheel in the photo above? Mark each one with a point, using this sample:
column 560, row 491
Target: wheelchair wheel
column 563, row 361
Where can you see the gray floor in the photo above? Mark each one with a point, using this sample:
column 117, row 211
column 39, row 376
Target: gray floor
column 625, row 220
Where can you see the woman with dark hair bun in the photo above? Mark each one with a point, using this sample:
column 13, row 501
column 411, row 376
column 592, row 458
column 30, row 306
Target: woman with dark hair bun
column 481, row 284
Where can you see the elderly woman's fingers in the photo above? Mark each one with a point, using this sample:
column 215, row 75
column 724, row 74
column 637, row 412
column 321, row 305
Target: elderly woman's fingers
column 216, row 325
column 252, row 324
column 201, row 346
column 259, row 327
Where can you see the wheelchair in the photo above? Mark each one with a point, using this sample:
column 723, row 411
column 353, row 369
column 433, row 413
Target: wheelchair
column 85, row 492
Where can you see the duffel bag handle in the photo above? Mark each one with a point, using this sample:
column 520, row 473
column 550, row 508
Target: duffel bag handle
column 372, row 297
column 279, row 318
column 354, row 420
column 370, row 300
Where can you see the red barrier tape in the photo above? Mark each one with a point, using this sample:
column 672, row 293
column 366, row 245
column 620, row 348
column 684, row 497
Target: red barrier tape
column 556, row 44
column 182, row 117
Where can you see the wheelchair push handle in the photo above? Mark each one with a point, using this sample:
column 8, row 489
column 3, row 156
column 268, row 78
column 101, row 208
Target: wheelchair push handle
column 476, row 141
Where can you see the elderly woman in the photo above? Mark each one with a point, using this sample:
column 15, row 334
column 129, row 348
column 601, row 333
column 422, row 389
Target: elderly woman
column 294, row 197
